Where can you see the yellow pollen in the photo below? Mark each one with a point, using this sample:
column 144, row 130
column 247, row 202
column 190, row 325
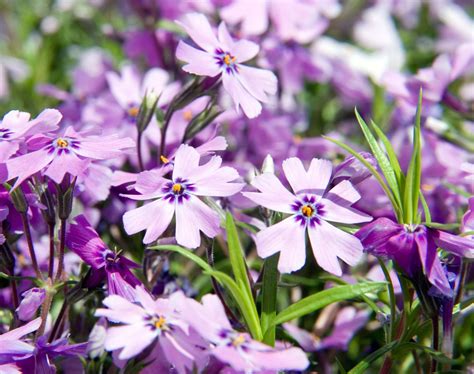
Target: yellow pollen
column 427, row 187
column 164, row 160
column 176, row 188
column 187, row 115
column 307, row 211
column 228, row 59
column 133, row 112
column 62, row 143
column 239, row 340
column 160, row 322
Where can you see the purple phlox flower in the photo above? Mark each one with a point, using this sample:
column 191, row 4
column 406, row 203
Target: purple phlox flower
column 70, row 153
column 456, row 28
column 353, row 170
column 238, row 349
column 179, row 197
column 311, row 206
column 298, row 20
column 96, row 341
column 248, row 86
column 467, row 223
column 13, row 347
column 346, row 324
column 16, row 126
column 149, row 321
column 82, row 239
column 414, row 248
column 129, row 89
column 294, row 63
column 32, row 300
column 434, row 80
column 40, row 361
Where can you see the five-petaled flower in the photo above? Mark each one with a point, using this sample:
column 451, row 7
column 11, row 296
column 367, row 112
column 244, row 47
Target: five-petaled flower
column 311, row 206
column 223, row 56
column 180, row 196
column 70, row 153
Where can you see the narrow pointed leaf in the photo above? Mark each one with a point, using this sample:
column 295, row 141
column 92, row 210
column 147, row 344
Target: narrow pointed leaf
column 413, row 179
column 373, row 171
column 236, row 256
column 321, row 299
column 363, row 366
column 381, row 158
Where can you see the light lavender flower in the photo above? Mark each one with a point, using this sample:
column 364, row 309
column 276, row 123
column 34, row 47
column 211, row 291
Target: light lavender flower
column 248, row 86
column 311, row 206
column 179, row 196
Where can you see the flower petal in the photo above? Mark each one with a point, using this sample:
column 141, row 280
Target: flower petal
column 198, row 62
column 343, row 194
column 241, row 97
column 199, row 30
column 338, row 213
column 185, row 162
column 273, row 195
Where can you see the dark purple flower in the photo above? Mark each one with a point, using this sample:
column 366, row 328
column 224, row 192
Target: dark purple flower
column 414, row 248
column 83, row 240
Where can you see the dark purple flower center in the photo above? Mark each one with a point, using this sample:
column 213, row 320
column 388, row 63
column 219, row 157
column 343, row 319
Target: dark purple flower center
column 233, row 338
column 178, row 190
column 132, row 112
column 5, row 133
column 62, row 145
column 226, row 61
column 308, row 211
column 157, row 322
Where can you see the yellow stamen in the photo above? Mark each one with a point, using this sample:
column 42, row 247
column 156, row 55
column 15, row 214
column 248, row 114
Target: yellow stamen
column 160, row 322
column 239, row 340
column 297, row 139
column 62, row 143
column 228, row 59
column 187, row 115
column 133, row 111
column 427, row 187
column 164, row 160
column 307, row 211
column 176, row 188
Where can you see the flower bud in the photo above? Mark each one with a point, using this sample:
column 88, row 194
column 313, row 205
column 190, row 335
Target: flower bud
column 268, row 166
column 147, row 110
column 32, row 300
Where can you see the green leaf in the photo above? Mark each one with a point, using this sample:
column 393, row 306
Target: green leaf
column 372, row 170
column 426, row 208
column 392, row 156
column 366, row 362
column 413, row 179
column 236, row 256
column 321, row 299
column 384, row 163
column 246, row 305
column 186, row 253
column 404, row 348
column 269, row 296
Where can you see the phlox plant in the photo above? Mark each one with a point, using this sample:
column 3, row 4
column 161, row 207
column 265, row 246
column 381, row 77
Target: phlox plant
column 202, row 191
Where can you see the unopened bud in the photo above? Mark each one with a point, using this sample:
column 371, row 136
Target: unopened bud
column 268, row 166
column 147, row 110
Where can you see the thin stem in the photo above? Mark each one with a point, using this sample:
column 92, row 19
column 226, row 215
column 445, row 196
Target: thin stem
column 62, row 243
column 51, row 250
column 462, row 281
column 416, row 358
column 58, row 322
column 29, row 240
column 393, row 306
column 164, row 130
column 215, row 285
column 139, row 150
column 15, row 299
column 44, row 313
column 435, row 323
column 269, row 298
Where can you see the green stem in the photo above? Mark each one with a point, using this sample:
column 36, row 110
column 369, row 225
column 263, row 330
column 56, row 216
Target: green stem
column 269, row 298
column 393, row 306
